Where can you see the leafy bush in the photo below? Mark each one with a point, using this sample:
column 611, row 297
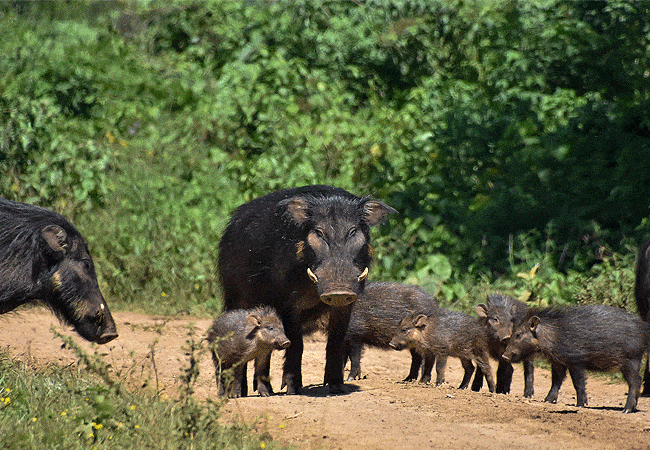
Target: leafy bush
column 487, row 125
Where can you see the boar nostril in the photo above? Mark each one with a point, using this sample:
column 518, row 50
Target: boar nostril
column 338, row 298
column 106, row 337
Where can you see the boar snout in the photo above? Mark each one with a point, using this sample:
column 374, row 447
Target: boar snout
column 338, row 298
column 106, row 337
column 283, row 344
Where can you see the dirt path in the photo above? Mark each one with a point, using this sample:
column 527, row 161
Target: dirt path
column 379, row 412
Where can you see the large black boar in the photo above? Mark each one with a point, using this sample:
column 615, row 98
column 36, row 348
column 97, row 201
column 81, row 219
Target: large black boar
column 305, row 251
column 43, row 257
column 642, row 297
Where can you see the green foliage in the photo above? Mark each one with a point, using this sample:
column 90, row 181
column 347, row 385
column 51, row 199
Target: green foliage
column 59, row 408
column 506, row 133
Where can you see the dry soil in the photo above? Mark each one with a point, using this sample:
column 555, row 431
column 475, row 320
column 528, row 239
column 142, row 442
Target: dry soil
column 378, row 412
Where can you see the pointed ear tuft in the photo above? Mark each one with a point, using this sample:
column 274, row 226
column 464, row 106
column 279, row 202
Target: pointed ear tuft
column 297, row 209
column 376, row 212
column 481, row 310
column 420, row 321
column 56, row 238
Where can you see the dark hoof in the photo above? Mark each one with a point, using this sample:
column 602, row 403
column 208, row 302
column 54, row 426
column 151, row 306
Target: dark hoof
column 337, row 389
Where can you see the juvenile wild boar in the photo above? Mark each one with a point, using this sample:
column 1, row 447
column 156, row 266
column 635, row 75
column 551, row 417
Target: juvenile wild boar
column 642, row 297
column 499, row 315
column 306, row 252
column 592, row 337
column 375, row 320
column 44, row 258
column 443, row 333
column 239, row 336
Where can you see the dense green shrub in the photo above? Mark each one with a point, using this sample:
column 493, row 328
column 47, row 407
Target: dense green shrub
column 506, row 133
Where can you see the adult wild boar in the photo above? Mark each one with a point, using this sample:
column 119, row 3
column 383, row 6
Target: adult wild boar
column 642, row 296
column 43, row 257
column 305, row 251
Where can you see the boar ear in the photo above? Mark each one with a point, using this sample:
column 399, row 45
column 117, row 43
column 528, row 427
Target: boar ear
column 56, row 238
column 297, row 208
column 375, row 212
column 253, row 322
column 481, row 310
column 533, row 322
column 420, row 321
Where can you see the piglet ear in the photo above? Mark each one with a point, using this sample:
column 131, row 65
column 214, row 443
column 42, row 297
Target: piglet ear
column 481, row 310
column 421, row 321
column 297, row 209
column 254, row 320
column 376, row 212
column 56, row 238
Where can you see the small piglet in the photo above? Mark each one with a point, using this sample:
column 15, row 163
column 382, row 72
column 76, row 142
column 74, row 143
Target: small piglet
column 375, row 319
column 578, row 338
column 239, row 336
column 499, row 315
column 441, row 333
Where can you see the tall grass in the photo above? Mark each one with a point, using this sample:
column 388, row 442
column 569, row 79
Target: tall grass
column 54, row 407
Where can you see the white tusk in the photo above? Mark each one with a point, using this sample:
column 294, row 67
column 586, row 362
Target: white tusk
column 363, row 275
column 312, row 275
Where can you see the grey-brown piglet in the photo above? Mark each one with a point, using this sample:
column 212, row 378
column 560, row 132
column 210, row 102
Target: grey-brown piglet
column 242, row 335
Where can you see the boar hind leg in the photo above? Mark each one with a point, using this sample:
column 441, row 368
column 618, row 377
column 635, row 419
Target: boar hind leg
column 236, row 388
column 579, row 379
column 441, row 365
column 631, row 374
column 558, row 373
column 483, row 365
column 646, row 377
column 429, row 359
column 469, row 370
column 353, row 351
column 262, row 379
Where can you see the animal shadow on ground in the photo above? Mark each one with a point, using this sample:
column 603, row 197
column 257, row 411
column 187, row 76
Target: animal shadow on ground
column 321, row 390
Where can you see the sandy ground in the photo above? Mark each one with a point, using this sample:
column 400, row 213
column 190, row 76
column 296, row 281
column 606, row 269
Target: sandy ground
column 378, row 412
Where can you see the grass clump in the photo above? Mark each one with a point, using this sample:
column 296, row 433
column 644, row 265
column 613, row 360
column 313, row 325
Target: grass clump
column 55, row 407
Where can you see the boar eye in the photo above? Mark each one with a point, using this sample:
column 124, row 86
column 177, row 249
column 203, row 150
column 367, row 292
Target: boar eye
column 319, row 233
column 352, row 232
